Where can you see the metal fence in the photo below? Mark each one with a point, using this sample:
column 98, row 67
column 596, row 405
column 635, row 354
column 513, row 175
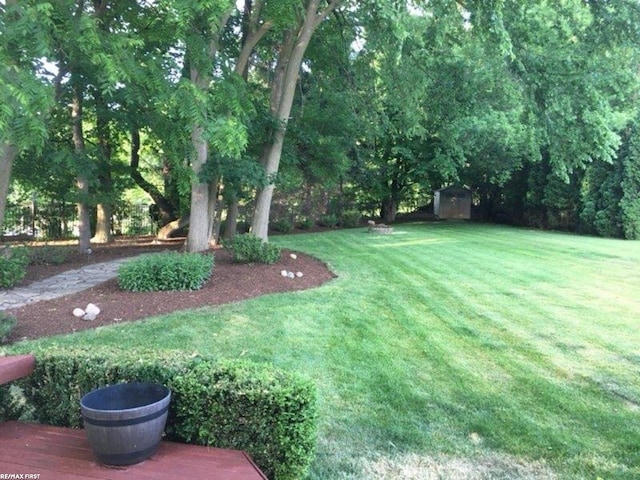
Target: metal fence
column 59, row 220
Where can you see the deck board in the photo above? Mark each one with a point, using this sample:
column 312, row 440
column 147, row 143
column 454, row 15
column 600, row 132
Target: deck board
column 65, row 454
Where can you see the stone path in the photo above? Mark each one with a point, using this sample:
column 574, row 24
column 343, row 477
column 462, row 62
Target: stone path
column 60, row 285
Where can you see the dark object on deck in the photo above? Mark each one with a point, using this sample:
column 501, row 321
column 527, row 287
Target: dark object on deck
column 124, row 422
column 452, row 202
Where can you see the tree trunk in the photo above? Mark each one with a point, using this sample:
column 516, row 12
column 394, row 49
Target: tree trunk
column 283, row 87
column 260, row 223
column 8, row 154
column 252, row 33
column 231, row 225
column 82, row 180
column 103, row 224
column 166, row 212
column 212, row 209
column 216, row 226
column 199, row 219
column 199, row 231
column 389, row 210
column 105, row 179
column 84, row 215
column 170, row 229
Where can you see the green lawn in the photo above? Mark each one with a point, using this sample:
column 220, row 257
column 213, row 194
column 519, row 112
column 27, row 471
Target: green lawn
column 447, row 350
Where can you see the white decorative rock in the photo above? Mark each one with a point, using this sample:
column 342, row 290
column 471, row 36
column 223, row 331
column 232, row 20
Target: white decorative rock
column 284, row 273
column 92, row 309
column 78, row 312
column 294, row 256
column 290, row 274
column 299, row 274
column 89, row 317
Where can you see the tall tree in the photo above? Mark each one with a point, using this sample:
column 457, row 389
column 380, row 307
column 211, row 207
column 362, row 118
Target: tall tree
column 291, row 49
column 440, row 107
column 91, row 55
column 630, row 202
column 210, row 100
column 202, row 44
column 577, row 64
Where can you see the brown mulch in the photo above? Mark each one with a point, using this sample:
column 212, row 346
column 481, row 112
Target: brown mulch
column 229, row 283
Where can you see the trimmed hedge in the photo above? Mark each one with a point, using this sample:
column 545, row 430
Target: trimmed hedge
column 156, row 272
column 266, row 412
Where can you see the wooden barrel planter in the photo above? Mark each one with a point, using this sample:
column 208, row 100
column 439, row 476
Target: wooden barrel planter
column 124, row 422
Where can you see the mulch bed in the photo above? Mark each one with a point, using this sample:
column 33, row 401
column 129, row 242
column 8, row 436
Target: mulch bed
column 229, row 283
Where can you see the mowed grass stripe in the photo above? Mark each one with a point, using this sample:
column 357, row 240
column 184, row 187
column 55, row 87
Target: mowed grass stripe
column 541, row 316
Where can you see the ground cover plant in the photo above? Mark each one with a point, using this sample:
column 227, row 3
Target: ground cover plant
column 446, row 350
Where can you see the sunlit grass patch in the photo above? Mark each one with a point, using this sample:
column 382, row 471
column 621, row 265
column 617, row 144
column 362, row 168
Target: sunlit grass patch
column 424, row 467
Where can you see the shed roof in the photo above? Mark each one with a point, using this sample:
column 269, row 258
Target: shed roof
column 454, row 189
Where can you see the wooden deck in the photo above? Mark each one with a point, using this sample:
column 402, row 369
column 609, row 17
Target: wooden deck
column 33, row 451
column 55, row 453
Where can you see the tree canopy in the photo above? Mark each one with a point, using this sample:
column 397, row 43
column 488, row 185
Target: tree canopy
column 264, row 112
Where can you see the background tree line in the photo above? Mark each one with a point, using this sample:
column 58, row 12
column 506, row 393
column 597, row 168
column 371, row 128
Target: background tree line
column 304, row 110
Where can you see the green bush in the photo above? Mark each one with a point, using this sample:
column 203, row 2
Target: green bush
column 165, row 271
column 350, row 218
column 247, row 248
column 306, row 223
column 329, row 220
column 48, row 254
column 269, row 413
column 282, row 225
column 13, row 266
column 7, row 324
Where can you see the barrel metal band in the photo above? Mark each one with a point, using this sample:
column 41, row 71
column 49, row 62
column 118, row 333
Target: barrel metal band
column 127, row 421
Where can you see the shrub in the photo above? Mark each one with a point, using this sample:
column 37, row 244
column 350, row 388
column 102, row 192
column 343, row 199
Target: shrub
column 165, row 271
column 48, row 255
column 269, row 413
column 306, row 223
column 350, row 218
column 13, row 266
column 329, row 220
column 282, row 225
column 247, row 248
column 7, row 324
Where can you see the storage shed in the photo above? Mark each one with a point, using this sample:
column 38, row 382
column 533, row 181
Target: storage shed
column 452, row 202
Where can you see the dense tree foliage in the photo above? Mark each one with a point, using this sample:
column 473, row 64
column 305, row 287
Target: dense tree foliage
column 579, row 71
column 24, row 98
column 218, row 109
